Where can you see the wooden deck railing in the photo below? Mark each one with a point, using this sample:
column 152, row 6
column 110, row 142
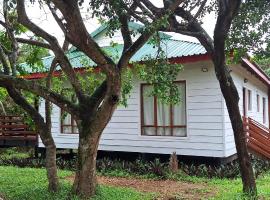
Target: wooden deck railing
column 258, row 137
column 14, row 132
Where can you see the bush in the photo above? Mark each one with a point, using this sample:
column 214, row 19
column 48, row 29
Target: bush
column 141, row 167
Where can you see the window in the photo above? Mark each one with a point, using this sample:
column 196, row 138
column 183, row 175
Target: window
column 160, row 119
column 264, row 109
column 249, row 100
column 68, row 124
column 258, row 103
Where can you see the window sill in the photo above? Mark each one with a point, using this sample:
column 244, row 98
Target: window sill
column 76, row 135
column 169, row 138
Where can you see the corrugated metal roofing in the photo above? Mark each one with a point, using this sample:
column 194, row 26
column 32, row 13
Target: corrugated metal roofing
column 172, row 49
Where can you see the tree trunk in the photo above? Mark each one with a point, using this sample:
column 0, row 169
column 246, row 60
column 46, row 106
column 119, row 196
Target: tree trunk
column 85, row 179
column 231, row 97
column 45, row 134
column 51, row 166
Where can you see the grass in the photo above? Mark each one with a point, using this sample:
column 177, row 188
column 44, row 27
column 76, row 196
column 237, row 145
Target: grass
column 232, row 189
column 31, row 184
column 226, row 189
column 10, row 153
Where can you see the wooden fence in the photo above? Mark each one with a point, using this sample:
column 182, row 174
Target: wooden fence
column 14, row 132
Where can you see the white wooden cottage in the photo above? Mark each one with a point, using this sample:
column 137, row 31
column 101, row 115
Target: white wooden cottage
column 198, row 126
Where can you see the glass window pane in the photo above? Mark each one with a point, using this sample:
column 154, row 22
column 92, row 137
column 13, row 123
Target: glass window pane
column 179, row 110
column 164, row 131
column 149, row 131
column 67, row 129
column 67, row 120
column 163, row 114
column 180, row 132
column 148, row 105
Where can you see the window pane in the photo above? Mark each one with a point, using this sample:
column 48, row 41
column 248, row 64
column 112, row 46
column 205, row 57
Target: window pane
column 67, row 120
column 67, row 129
column 148, row 105
column 179, row 110
column 180, row 132
column 75, row 129
column 163, row 114
column 164, row 131
column 149, row 131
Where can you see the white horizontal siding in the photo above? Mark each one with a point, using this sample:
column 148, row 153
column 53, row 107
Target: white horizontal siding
column 256, row 87
column 204, row 121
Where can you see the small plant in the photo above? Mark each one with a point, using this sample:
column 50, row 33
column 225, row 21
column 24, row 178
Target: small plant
column 140, row 167
column 158, row 168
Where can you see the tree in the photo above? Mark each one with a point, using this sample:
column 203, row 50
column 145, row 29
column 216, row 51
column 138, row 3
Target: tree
column 93, row 110
column 250, row 33
column 251, row 30
column 9, row 54
column 187, row 20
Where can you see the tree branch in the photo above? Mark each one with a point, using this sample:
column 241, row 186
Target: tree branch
column 34, row 42
column 4, row 61
column 144, row 37
column 63, row 60
column 78, row 35
column 19, row 83
column 125, row 31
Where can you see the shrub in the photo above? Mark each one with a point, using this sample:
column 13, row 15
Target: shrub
column 153, row 169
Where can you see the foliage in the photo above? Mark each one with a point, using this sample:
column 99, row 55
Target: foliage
column 34, row 187
column 250, row 30
column 31, row 59
column 139, row 167
column 13, row 109
column 264, row 63
column 10, row 153
column 161, row 74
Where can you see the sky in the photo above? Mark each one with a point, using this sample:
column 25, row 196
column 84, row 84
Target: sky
column 43, row 18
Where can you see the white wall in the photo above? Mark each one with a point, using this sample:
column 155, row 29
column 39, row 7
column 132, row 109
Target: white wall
column 257, row 87
column 204, row 121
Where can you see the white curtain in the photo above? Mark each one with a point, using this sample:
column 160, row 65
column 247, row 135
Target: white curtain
column 179, row 112
column 148, row 110
column 164, row 114
column 67, row 121
column 163, row 118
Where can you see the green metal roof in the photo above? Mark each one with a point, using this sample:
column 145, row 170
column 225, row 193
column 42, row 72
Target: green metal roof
column 172, row 48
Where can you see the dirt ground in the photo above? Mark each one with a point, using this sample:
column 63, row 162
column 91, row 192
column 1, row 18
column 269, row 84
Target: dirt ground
column 166, row 189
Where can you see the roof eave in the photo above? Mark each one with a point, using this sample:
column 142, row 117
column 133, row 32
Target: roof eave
column 255, row 69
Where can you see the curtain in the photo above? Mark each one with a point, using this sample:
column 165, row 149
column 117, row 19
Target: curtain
column 165, row 113
column 67, row 121
column 163, row 118
column 148, row 110
column 179, row 112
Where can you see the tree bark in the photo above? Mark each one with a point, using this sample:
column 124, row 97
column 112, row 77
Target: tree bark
column 91, row 126
column 85, row 182
column 51, row 166
column 45, row 134
column 231, row 97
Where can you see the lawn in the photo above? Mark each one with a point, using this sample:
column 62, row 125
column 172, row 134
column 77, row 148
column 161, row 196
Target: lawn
column 31, row 184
